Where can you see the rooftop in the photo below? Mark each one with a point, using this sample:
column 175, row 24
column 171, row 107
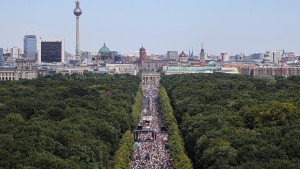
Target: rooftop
column 190, row 69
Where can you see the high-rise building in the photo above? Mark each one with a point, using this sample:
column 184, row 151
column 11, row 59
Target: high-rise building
column 51, row 51
column 143, row 55
column 77, row 12
column 224, row 57
column 172, row 55
column 16, row 53
column 30, row 47
column 275, row 56
column 257, row 56
column 1, row 57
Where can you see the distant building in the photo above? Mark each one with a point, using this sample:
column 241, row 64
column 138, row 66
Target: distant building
column 70, row 71
column 172, row 55
column 183, row 57
column 118, row 58
column 257, row 56
column 143, row 55
column 30, row 47
column 16, row 53
column 275, row 56
column 104, row 55
column 6, row 55
column 1, row 57
column 276, row 71
column 202, row 55
column 191, row 56
column 122, row 69
column 189, row 70
column 224, row 57
column 124, row 59
column 266, row 59
column 228, row 70
column 51, row 51
column 23, row 69
column 154, row 64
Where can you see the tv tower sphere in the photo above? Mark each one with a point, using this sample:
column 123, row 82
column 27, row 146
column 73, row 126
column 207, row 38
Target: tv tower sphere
column 77, row 10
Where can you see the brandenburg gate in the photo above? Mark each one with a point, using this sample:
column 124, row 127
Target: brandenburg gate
column 150, row 78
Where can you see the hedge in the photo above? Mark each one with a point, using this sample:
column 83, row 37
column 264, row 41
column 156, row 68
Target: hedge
column 179, row 158
column 137, row 108
column 122, row 156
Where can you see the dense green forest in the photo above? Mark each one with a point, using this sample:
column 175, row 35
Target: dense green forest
column 236, row 121
column 64, row 121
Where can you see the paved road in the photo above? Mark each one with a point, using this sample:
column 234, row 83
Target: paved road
column 150, row 147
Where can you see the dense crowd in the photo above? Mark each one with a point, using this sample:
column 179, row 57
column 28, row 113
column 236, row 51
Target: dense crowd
column 151, row 151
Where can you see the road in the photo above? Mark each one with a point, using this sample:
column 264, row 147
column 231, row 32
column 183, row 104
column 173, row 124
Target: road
column 151, row 150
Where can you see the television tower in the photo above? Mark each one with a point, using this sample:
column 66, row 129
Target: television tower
column 77, row 13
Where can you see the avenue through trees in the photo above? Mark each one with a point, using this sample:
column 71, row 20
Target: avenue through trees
column 85, row 121
column 151, row 148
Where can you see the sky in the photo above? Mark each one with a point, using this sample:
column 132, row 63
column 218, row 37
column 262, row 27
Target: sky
column 232, row 26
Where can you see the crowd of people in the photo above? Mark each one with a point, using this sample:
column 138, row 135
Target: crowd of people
column 151, row 151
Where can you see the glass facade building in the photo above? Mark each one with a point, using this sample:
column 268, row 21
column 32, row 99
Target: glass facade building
column 30, row 47
column 52, row 51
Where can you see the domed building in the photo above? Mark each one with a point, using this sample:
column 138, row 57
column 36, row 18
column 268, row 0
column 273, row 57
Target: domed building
column 183, row 57
column 104, row 50
column 104, row 53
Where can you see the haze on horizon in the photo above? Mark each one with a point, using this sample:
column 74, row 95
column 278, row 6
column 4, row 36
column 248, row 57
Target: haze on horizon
column 232, row 26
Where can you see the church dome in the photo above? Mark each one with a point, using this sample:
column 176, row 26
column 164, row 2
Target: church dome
column 104, row 50
column 182, row 55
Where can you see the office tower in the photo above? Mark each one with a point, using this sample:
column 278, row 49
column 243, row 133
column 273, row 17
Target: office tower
column 257, row 56
column 143, row 55
column 172, row 55
column 16, row 53
column 1, row 57
column 77, row 13
column 51, row 51
column 275, row 56
column 224, row 57
column 30, row 47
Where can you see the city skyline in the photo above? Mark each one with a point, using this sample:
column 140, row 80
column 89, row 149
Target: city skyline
column 230, row 26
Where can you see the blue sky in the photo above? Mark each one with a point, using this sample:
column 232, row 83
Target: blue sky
column 232, row 26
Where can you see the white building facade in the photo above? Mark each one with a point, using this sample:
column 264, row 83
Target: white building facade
column 122, row 69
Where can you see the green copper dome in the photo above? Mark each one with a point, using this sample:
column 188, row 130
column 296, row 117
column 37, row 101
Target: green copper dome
column 104, row 50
